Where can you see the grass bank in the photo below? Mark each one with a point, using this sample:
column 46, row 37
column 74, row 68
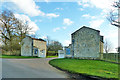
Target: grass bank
column 88, row 67
column 18, row 57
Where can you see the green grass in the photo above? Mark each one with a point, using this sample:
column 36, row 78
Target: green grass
column 11, row 56
column 51, row 56
column 88, row 67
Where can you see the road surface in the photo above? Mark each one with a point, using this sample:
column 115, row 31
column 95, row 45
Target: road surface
column 30, row 68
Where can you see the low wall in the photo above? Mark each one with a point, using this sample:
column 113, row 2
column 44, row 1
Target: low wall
column 111, row 57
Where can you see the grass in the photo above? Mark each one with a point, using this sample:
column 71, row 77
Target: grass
column 88, row 67
column 51, row 56
column 112, row 60
column 18, row 57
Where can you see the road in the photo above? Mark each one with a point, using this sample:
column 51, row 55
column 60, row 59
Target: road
column 30, row 68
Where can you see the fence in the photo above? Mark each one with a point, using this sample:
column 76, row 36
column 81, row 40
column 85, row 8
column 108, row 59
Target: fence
column 113, row 57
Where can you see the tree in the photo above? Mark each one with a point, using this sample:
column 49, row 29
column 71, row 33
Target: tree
column 12, row 31
column 107, row 46
column 115, row 15
column 7, row 29
column 48, row 40
column 53, row 45
column 22, row 29
column 114, row 18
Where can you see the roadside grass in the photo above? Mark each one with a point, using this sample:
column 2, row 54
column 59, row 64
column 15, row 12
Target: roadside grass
column 18, row 57
column 51, row 56
column 116, row 61
column 88, row 67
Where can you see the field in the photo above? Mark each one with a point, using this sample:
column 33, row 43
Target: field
column 87, row 67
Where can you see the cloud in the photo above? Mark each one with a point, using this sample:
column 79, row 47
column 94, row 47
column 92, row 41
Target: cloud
column 79, row 3
column 96, row 23
column 56, row 29
column 64, row 27
column 86, row 5
column 67, row 21
column 66, row 42
column 59, row 28
column 28, row 7
column 88, row 16
column 81, row 9
column 31, row 24
column 46, row 1
column 111, row 33
column 44, row 37
column 58, row 8
column 51, row 15
column 38, row 20
column 102, row 4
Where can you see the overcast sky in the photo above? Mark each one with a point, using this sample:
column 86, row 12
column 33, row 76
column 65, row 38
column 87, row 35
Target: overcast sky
column 59, row 19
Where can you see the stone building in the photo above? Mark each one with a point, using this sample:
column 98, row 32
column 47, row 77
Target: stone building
column 33, row 47
column 86, row 43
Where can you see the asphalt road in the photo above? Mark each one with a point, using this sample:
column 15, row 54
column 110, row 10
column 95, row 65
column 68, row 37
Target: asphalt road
column 30, row 68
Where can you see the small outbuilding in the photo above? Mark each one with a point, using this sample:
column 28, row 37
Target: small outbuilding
column 33, row 47
column 61, row 54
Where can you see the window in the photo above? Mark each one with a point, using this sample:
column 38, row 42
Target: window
column 36, row 51
column 43, row 51
column 68, row 51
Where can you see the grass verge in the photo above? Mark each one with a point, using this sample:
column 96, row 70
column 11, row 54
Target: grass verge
column 18, row 57
column 87, row 67
column 51, row 56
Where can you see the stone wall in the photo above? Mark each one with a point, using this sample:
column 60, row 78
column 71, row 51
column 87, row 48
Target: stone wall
column 41, row 45
column 101, row 49
column 26, row 49
column 86, row 43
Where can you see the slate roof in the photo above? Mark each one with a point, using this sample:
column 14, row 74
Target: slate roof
column 84, row 27
column 38, row 39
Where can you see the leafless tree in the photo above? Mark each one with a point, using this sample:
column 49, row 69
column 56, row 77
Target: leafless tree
column 7, row 20
column 107, row 46
column 22, row 29
column 48, row 40
column 12, row 31
column 114, row 15
column 53, row 45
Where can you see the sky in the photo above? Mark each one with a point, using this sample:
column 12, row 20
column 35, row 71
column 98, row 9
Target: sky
column 58, row 19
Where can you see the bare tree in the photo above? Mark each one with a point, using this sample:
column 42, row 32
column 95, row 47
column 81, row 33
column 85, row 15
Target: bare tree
column 115, row 15
column 12, row 31
column 53, row 45
column 48, row 40
column 22, row 29
column 107, row 46
column 114, row 18
column 7, row 20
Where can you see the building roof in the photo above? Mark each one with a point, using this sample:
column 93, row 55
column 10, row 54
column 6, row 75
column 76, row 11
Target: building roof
column 38, row 39
column 84, row 27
